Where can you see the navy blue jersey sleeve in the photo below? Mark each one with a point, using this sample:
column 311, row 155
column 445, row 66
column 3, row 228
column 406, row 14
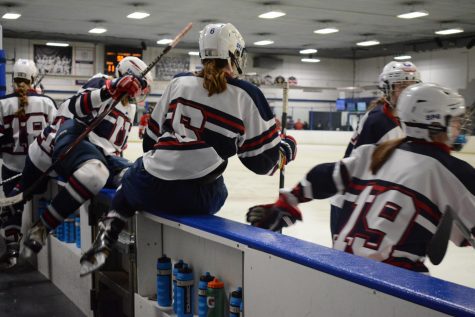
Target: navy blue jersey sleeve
column 321, row 179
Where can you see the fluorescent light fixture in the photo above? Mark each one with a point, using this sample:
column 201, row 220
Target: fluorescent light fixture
column 413, row 14
column 138, row 15
column 326, row 31
column 97, row 30
column 272, row 15
column 402, row 57
column 368, row 43
column 310, row 60
column 194, row 53
column 264, row 42
column 164, row 41
column 308, row 51
column 11, row 16
column 57, row 44
column 449, row 31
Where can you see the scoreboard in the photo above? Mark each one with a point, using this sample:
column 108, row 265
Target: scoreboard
column 115, row 54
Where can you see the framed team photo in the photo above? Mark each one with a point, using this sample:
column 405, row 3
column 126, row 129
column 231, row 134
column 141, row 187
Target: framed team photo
column 53, row 60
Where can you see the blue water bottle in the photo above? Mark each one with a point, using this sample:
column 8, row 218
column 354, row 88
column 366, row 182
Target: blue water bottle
column 176, row 267
column 202, row 287
column 184, row 296
column 164, row 281
column 235, row 303
column 77, row 227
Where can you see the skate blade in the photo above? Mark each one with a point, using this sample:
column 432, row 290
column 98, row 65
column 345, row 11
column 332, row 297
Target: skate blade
column 87, row 267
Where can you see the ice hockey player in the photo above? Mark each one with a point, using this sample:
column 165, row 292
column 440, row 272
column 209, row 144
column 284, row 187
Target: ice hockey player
column 23, row 115
column 395, row 193
column 201, row 120
column 94, row 162
column 379, row 124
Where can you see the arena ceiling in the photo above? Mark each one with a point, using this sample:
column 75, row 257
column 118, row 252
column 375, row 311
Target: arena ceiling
column 357, row 20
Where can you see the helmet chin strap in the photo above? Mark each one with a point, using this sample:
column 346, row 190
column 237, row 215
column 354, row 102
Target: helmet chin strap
column 236, row 64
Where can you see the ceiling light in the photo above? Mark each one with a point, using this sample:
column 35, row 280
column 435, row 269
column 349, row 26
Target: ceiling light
column 413, row 14
column 310, row 60
column 11, row 16
column 138, row 15
column 57, row 44
column 194, row 53
column 449, row 31
column 272, row 14
column 264, row 42
column 97, row 30
column 308, row 51
column 164, row 41
column 402, row 57
column 326, row 31
column 368, row 43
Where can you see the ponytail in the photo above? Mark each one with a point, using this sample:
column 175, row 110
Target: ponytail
column 382, row 153
column 22, row 87
column 214, row 76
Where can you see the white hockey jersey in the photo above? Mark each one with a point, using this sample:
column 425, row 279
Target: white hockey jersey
column 16, row 134
column 112, row 133
column 391, row 216
column 195, row 134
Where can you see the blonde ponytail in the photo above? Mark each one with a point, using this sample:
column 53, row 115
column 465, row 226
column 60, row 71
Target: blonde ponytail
column 22, row 91
column 382, row 153
column 214, row 76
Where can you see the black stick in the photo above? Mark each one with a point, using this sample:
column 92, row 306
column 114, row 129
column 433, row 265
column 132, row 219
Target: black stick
column 26, row 195
column 285, row 105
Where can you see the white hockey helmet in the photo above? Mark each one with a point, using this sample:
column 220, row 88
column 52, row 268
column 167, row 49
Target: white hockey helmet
column 397, row 72
column 223, row 41
column 426, row 109
column 135, row 66
column 25, row 69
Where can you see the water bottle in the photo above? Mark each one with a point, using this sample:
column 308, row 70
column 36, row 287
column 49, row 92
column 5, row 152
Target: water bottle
column 202, row 288
column 77, row 227
column 184, row 296
column 164, row 281
column 215, row 298
column 235, row 301
column 176, row 267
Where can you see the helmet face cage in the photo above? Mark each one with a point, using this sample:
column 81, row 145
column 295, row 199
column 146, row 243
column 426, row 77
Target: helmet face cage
column 25, row 69
column 460, row 130
column 429, row 109
column 135, row 66
column 223, row 41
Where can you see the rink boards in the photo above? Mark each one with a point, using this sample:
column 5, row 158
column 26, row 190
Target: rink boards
column 284, row 276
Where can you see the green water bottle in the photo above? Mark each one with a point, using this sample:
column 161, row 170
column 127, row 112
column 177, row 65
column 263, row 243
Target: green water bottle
column 215, row 298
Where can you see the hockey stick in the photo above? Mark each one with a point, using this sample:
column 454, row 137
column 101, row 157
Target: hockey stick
column 440, row 240
column 438, row 245
column 25, row 195
column 285, row 105
column 8, row 180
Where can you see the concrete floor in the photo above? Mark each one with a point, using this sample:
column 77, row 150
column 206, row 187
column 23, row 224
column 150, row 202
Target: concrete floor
column 247, row 189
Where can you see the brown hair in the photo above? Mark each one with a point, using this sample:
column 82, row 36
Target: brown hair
column 22, row 87
column 382, row 153
column 375, row 102
column 214, row 76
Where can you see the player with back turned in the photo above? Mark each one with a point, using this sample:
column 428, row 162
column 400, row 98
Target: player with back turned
column 395, row 193
column 379, row 124
column 23, row 115
column 200, row 122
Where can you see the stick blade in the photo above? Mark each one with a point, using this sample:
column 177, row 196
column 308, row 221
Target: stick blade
column 9, row 201
column 440, row 240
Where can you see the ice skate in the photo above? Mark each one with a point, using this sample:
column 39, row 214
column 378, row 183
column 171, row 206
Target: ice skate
column 10, row 257
column 36, row 237
column 97, row 255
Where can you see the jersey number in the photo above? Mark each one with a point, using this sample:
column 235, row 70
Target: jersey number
column 384, row 217
column 188, row 121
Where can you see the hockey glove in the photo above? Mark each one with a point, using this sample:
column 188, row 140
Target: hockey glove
column 129, row 85
column 288, row 149
column 283, row 213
